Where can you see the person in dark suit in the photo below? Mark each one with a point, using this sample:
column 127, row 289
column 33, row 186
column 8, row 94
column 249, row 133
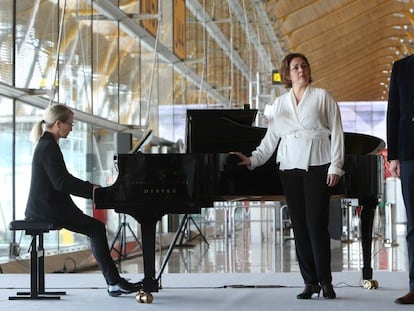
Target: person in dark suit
column 400, row 145
column 50, row 193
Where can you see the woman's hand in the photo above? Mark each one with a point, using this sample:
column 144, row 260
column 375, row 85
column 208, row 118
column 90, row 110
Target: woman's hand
column 332, row 179
column 395, row 168
column 243, row 159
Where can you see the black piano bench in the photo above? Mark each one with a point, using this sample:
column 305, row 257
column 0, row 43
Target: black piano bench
column 37, row 259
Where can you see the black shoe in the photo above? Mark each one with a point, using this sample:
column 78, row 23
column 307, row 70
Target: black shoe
column 328, row 291
column 407, row 299
column 309, row 291
column 123, row 287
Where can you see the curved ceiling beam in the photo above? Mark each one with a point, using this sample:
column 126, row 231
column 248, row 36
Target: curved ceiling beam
column 215, row 32
column 113, row 13
column 353, row 15
column 349, row 30
column 250, row 32
column 264, row 18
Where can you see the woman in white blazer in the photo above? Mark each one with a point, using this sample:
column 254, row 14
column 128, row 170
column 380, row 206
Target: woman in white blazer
column 306, row 128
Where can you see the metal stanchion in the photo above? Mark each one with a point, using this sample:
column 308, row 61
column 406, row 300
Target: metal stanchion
column 350, row 220
column 389, row 237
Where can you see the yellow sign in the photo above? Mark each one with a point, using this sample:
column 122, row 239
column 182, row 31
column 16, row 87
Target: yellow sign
column 276, row 79
column 150, row 7
column 179, row 29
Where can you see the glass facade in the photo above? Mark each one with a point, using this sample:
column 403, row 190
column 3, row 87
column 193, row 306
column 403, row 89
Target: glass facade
column 7, row 196
column 117, row 75
column 98, row 64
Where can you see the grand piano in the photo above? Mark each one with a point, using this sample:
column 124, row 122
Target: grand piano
column 150, row 186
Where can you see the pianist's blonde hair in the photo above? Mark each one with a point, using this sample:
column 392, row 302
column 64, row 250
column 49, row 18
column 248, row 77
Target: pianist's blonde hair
column 52, row 114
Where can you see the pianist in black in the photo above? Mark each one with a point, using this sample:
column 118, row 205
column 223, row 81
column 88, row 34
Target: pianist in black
column 306, row 123
column 51, row 189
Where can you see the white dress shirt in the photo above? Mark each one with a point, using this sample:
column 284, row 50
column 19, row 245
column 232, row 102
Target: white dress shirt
column 308, row 133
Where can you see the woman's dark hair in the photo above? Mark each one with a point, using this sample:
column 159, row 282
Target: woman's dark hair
column 285, row 68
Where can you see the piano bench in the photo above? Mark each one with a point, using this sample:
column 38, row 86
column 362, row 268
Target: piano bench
column 36, row 229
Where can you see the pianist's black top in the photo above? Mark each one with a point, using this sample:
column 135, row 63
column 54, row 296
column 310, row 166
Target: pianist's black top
column 51, row 184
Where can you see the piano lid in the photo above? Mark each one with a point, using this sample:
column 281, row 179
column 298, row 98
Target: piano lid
column 356, row 143
column 226, row 130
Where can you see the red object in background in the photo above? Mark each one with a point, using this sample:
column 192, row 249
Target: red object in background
column 359, row 210
column 99, row 214
column 387, row 172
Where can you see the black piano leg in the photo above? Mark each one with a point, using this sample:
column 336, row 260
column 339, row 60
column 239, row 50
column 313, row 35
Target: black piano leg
column 367, row 221
column 150, row 284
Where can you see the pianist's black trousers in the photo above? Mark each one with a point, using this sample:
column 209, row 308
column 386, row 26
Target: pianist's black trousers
column 96, row 231
column 307, row 197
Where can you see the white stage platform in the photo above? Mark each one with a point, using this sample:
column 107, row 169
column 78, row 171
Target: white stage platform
column 198, row 291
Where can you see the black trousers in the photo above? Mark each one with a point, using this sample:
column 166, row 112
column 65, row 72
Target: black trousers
column 407, row 187
column 307, row 197
column 96, row 231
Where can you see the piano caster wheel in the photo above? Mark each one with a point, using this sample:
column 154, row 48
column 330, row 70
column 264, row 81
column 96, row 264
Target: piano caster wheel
column 142, row 297
column 370, row 284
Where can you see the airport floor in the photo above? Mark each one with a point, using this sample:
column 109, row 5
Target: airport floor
column 240, row 265
column 250, row 244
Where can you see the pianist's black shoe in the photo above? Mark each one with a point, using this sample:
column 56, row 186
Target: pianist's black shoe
column 123, row 287
column 309, row 291
column 328, row 291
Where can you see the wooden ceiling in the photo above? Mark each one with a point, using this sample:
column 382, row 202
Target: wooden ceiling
column 351, row 44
